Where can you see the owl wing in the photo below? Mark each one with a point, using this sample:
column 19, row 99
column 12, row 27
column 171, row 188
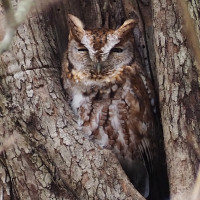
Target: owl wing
column 142, row 116
column 141, row 125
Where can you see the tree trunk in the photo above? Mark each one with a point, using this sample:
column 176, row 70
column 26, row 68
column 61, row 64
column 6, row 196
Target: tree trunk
column 176, row 42
column 49, row 158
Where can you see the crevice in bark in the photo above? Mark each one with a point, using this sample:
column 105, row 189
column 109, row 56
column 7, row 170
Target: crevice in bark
column 12, row 192
column 145, row 39
column 163, row 177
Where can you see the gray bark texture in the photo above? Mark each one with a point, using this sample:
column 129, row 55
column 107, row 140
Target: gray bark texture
column 176, row 41
column 49, row 158
column 44, row 155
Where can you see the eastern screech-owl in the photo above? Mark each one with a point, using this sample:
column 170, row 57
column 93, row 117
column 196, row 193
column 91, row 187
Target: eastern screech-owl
column 112, row 96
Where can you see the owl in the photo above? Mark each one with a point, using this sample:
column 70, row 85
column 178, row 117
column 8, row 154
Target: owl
column 112, row 96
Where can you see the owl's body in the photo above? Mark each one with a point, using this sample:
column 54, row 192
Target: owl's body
column 112, row 96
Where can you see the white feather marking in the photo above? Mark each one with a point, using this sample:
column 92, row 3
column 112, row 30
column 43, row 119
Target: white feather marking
column 115, row 121
column 95, row 121
column 127, row 89
column 86, row 41
column 112, row 40
column 103, row 142
column 77, row 101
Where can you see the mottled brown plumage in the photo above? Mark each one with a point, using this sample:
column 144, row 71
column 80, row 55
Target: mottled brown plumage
column 112, row 96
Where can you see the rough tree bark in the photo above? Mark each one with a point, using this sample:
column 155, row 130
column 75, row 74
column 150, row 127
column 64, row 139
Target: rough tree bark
column 49, row 158
column 177, row 46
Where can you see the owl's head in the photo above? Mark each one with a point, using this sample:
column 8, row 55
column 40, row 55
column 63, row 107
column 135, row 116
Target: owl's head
column 100, row 52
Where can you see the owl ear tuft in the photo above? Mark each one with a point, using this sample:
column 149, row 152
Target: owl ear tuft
column 76, row 27
column 126, row 27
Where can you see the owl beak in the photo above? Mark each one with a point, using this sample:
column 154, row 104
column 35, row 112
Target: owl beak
column 97, row 66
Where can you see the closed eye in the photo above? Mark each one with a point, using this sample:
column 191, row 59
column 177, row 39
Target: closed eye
column 82, row 49
column 117, row 50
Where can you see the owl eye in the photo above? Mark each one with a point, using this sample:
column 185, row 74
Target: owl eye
column 82, row 49
column 117, row 50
